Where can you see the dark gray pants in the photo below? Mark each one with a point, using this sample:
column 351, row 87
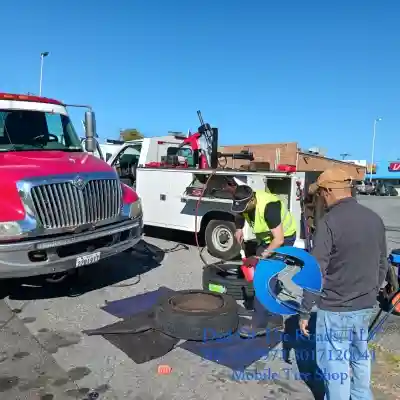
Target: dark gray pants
column 261, row 316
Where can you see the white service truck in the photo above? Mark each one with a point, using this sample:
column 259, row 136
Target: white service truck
column 169, row 201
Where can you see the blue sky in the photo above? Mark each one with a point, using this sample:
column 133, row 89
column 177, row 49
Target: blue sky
column 312, row 71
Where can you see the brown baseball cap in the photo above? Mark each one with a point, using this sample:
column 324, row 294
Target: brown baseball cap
column 332, row 178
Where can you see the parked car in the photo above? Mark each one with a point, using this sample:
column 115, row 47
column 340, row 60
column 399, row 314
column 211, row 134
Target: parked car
column 383, row 189
column 393, row 191
column 365, row 188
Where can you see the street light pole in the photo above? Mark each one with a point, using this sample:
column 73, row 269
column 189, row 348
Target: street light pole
column 42, row 56
column 376, row 120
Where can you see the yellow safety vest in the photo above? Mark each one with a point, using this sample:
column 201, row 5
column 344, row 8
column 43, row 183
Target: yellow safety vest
column 260, row 226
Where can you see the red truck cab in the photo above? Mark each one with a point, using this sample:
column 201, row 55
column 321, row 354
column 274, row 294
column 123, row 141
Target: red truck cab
column 60, row 207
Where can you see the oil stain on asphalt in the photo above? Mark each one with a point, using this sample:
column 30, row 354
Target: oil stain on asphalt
column 41, row 381
column 28, row 320
column 54, row 340
column 8, row 382
column 75, row 374
column 20, row 355
column 47, row 396
column 75, row 393
column 3, row 356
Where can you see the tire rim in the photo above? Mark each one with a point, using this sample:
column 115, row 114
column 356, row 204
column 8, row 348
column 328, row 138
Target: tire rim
column 222, row 238
column 196, row 302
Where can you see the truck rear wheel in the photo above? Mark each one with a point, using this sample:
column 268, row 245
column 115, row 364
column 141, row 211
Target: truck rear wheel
column 220, row 240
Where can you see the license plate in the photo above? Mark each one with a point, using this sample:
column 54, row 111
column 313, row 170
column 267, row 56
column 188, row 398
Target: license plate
column 88, row 259
column 216, row 288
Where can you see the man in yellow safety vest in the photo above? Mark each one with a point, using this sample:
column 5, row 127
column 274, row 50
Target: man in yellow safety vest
column 273, row 226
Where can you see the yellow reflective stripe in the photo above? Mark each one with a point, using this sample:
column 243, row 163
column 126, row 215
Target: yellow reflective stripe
column 286, row 222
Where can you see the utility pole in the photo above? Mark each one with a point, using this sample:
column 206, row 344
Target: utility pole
column 344, row 155
column 42, row 56
column 376, row 120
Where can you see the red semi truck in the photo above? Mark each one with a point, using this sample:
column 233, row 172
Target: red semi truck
column 61, row 208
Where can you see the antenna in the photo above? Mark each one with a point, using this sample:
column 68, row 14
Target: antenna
column 344, row 155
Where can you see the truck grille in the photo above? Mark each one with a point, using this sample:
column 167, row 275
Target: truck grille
column 63, row 205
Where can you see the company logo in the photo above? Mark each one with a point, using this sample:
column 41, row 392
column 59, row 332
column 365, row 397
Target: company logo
column 79, row 183
column 394, row 167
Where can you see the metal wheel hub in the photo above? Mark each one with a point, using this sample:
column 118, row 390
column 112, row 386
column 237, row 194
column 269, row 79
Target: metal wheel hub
column 222, row 238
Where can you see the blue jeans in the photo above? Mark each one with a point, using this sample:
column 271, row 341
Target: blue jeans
column 341, row 347
column 262, row 316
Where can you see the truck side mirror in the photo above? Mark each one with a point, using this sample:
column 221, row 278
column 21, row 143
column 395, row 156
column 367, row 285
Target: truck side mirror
column 90, row 132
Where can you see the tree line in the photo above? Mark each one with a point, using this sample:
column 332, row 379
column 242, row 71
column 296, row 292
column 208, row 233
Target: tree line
column 130, row 134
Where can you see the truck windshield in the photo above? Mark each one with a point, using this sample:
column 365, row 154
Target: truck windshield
column 24, row 130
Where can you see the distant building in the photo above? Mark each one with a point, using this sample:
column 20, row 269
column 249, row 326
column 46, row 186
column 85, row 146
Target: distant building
column 362, row 163
column 291, row 154
column 387, row 171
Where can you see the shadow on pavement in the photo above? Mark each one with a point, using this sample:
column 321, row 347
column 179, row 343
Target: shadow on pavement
column 304, row 350
column 109, row 272
column 187, row 238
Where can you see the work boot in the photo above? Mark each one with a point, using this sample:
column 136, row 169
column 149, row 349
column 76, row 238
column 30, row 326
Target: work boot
column 250, row 331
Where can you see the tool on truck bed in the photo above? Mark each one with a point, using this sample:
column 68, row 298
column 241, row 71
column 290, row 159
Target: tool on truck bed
column 204, row 145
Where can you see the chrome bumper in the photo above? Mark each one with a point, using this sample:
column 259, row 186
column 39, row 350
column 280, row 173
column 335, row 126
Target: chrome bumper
column 41, row 256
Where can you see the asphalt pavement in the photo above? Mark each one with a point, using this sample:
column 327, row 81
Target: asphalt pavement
column 55, row 317
column 388, row 208
column 44, row 354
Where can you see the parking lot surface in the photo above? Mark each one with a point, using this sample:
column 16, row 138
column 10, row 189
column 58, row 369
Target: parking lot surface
column 56, row 317
column 61, row 362
column 389, row 210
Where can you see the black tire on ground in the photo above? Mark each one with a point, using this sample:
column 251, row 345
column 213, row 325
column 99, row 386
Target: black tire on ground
column 197, row 315
column 220, row 240
column 233, row 283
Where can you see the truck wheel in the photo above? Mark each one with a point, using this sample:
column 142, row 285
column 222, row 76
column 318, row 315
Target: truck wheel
column 197, row 315
column 220, row 240
column 226, row 279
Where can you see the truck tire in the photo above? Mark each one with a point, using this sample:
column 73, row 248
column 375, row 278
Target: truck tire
column 228, row 281
column 197, row 315
column 220, row 240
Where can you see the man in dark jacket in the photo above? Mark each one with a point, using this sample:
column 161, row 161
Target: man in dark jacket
column 350, row 247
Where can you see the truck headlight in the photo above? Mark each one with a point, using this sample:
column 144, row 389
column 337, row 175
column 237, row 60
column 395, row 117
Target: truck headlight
column 10, row 230
column 136, row 209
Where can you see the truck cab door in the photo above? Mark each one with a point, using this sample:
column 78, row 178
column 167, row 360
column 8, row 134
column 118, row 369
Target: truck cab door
column 125, row 162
